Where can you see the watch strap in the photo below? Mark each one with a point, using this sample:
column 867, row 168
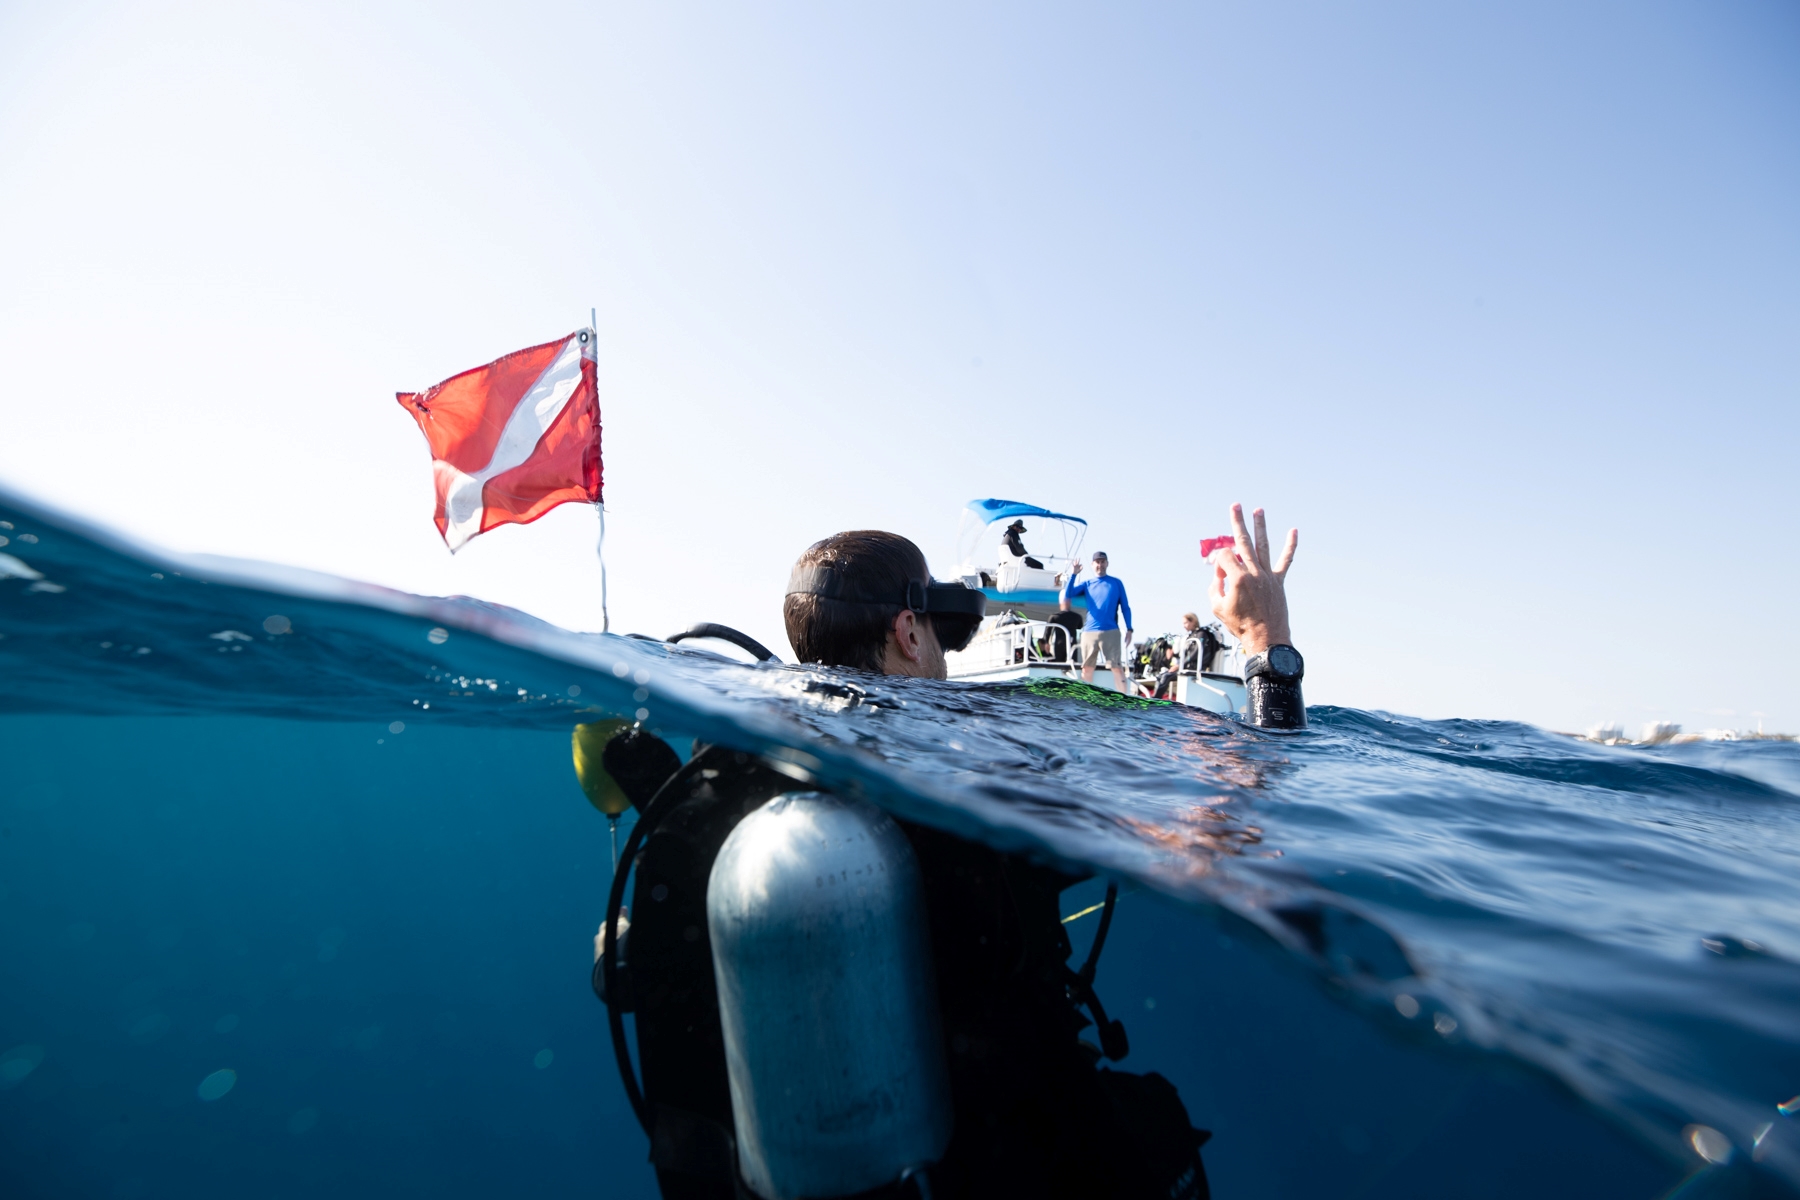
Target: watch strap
column 1275, row 703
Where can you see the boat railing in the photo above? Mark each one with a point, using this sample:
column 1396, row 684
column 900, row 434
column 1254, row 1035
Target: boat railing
column 1191, row 647
column 1016, row 644
column 1227, row 660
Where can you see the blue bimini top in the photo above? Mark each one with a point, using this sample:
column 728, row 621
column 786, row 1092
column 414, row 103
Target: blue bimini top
column 1105, row 597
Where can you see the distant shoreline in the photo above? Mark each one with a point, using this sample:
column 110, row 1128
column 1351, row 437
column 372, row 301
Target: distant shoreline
column 1664, row 734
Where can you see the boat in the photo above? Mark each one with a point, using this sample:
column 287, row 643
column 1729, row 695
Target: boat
column 1026, row 636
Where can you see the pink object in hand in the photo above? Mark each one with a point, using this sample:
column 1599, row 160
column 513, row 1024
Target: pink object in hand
column 1208, row 545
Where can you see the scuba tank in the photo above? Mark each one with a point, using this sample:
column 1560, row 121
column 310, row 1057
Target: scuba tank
column 1030, row 1111
column 1153, row 656
column 1210, row 645
column 827, row 1000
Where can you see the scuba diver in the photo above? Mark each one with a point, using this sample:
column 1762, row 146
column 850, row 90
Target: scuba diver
column 1199, row 646
column 1015, row 1101
column 1016, row 543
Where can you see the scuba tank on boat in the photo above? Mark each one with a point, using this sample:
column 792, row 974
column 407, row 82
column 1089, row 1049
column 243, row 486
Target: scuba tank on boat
column 1210, row 645
column 949, row 1003
column 1153, row 656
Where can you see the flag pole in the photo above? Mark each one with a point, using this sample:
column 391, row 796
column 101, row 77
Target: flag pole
column 600, row 547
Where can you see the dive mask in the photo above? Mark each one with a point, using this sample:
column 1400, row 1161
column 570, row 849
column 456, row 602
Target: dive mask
column 955, row 609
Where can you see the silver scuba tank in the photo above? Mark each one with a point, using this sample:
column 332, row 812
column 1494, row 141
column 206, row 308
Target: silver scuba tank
column 833, row 1041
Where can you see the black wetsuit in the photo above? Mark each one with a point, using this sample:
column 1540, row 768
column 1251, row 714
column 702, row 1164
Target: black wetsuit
column 1016, row 544
column 1035, row 1115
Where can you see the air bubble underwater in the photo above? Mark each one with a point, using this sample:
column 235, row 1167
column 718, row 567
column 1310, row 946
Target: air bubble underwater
column 17, row 1063
column 216, row 1085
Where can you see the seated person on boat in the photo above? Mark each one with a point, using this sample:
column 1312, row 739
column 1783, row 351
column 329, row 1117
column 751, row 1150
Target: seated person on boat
column 1014, row 542
column 1197, row 649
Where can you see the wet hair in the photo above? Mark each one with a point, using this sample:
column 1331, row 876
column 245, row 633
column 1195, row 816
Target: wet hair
column 840, row 633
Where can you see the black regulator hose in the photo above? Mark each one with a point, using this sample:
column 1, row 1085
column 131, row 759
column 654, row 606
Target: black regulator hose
column 1113, row 1042
column 725, row 633
column 609, row 955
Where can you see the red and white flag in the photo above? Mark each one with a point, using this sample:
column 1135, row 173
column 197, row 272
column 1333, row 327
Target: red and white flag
column 512, row 440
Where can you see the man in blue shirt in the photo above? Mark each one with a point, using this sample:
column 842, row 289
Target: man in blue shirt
column 1106, row 597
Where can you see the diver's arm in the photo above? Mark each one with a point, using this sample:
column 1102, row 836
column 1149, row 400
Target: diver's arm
column 1249, row 596
column 1125, row 607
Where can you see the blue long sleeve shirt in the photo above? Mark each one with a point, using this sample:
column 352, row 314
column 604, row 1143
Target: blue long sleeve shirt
column 1105, row 596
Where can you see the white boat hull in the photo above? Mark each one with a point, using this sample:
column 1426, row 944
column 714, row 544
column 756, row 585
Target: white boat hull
column 1021, row 651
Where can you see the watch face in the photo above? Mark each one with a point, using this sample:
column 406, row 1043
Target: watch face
column 1284, row 660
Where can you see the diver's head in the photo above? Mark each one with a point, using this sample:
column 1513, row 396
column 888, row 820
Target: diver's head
column 839, row 612
column 1016, row 527
column 1190, row 622
column 1100, row 562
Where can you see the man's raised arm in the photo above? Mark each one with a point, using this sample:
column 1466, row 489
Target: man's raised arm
column 1068, row 589
column 1249, row 596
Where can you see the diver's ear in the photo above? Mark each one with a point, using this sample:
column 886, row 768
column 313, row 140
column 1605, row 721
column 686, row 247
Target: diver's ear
column 912, row 648
column 908, row 639
column 906, row 646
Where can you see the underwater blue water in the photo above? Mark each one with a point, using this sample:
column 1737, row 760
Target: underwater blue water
column 297, row 894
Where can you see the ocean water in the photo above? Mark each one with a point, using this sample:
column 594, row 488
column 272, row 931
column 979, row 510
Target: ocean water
column 298, row 891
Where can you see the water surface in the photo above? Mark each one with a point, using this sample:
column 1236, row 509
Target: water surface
column 324, row 838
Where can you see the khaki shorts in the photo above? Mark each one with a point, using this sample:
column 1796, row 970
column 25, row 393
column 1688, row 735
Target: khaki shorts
column 1095, row 640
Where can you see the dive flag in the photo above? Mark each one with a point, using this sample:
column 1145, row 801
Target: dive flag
column 512, row 440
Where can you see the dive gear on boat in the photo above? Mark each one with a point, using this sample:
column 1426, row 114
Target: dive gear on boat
column 1272, row 679
column 816, row 914
column 1033, row 1113
column 1209, row 646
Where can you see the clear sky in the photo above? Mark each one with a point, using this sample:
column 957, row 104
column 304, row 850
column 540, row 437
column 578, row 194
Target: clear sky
column 1499, row 303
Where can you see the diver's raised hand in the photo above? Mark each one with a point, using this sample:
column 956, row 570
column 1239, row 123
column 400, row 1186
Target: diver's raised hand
column 1249, row 594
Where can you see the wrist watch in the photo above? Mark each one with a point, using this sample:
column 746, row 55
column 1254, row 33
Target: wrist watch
column 1282, row 664
column 1272, row 680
